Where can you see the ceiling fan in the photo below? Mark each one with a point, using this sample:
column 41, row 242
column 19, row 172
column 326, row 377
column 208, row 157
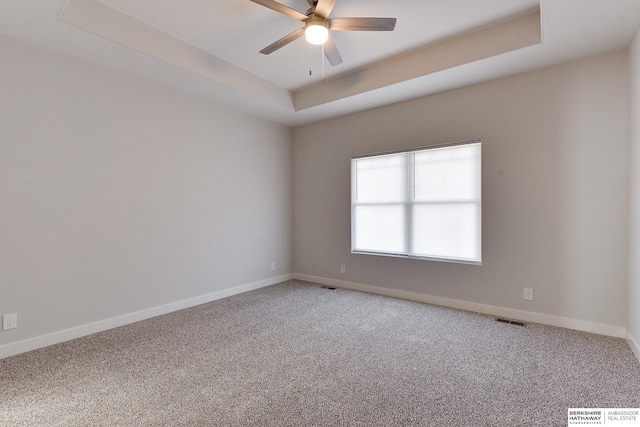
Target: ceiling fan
column 317, row 25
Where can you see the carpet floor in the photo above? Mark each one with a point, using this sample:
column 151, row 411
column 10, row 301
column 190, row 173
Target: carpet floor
column 297, row 354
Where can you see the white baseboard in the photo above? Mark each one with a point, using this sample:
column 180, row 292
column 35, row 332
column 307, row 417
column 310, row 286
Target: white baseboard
column 12, row 349
column 634, row 345
column 528, row 316
column 18, row 347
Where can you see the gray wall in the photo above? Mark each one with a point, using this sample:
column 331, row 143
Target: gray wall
column 555, row 187
column 634, row 195
column 117, row 195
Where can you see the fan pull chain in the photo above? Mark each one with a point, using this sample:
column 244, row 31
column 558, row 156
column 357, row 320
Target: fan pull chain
column 322, row 59
column 310, row 62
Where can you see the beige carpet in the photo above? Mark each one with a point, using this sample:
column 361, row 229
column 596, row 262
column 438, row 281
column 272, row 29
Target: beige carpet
column 296, row 354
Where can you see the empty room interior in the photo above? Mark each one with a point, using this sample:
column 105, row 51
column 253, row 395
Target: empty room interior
column 429, row 216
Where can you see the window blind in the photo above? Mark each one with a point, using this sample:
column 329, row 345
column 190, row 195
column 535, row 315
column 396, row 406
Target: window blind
column 422, row 203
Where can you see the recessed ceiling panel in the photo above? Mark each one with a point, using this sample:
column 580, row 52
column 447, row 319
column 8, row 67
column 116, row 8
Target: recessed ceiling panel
column 236, row 30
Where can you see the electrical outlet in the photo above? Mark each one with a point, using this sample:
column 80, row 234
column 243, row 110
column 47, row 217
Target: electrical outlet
column 528, row 294
column 343, row 269
column 273, row 266
column 9, row 321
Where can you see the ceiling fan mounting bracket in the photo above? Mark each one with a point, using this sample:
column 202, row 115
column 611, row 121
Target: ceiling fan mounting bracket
column 311, row 11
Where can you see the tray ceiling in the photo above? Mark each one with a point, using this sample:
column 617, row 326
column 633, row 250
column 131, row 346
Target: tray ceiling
column 210, row 48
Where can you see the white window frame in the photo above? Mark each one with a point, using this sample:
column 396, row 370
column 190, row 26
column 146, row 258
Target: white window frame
column 409, row 203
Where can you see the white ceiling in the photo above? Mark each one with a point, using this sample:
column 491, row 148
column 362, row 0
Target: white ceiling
column 229, row 33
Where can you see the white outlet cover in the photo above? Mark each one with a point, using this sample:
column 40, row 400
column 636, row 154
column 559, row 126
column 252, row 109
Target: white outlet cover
column 528, row 294
column 9, row 321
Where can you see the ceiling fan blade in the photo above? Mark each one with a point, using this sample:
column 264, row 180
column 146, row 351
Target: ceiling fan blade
column 285, row 10
column 324, row 8
column 331, row 52
column 362, row 24
column 283, row 41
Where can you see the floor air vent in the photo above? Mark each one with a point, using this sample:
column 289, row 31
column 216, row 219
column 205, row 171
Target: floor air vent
column 328, row 287
column 513, row 322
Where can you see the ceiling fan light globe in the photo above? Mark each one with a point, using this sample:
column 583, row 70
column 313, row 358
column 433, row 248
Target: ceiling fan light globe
column 316, row 33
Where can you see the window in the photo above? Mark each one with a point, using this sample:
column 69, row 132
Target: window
column 423, row 203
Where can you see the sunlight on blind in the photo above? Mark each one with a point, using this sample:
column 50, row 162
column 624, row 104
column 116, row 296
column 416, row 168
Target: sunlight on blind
column 379, row 216
column 423, row 203
column 381, row 179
